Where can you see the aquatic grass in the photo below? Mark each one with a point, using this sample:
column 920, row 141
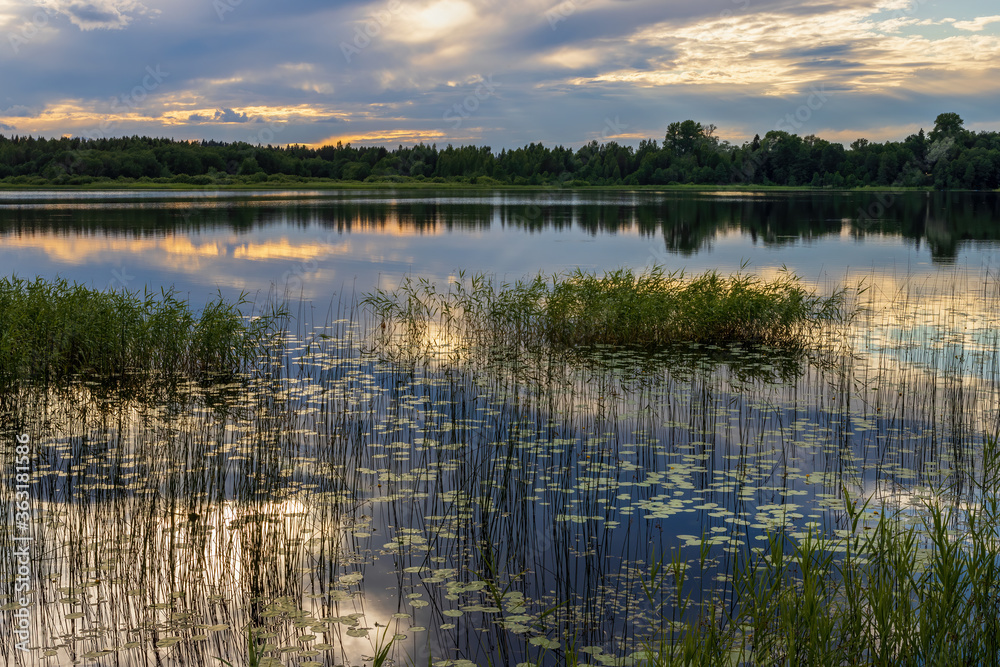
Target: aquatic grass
column 382, row 647
column 253, row 652
column 905, row 586
column 655, row 308
column 516, row 498
column 651, row 310
column 54, row 330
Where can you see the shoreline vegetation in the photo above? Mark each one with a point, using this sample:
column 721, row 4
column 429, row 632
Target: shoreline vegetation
column 652, row 311
column 913, row 586
column 288, row 185
column 55, row 331
column 949, row 157
column 907, row 581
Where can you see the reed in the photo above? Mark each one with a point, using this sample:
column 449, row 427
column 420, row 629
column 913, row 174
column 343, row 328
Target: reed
column 651, row 310
column 897, row 586
column 55, row 331
column 503, row 511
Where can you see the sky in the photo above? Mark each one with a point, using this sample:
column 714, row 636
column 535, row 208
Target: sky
column 498, row 73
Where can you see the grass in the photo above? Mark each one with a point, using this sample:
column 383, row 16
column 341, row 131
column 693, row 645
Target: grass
column 291, row 183
column 503, row 513
column 253, row 653
column 651, row 310
column 916, row 586
column 55, row 331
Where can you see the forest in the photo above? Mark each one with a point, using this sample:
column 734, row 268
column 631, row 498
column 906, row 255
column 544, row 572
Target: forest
column 949, row 157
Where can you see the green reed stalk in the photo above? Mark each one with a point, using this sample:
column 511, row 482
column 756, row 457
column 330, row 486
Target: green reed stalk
column 54, row 330
column 898, row 589
column 650, row 310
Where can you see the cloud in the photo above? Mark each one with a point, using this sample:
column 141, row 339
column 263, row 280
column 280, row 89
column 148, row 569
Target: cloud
column 227, row 115
column 562, row 74
column 784, row 53
column 976, row 25
column 439, row 20
column 18, row 111
column 99, row 14
column 388, row 137
column 7, row 128
column 222, row 115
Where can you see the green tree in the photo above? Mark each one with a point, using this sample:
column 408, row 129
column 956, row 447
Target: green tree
column 249, row 166
column 888, row 167
column 683, row 137
column 947, row 125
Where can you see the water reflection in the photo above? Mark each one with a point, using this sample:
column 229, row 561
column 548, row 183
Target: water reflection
column 309, row 240
column 479, row 508
column 484, row 509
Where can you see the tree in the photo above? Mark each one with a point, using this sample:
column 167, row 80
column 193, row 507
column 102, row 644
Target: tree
column 888, row 167
column 682, row 137
column 917, row 144
column 249, row 166
column 831, row 158
column 947, row 125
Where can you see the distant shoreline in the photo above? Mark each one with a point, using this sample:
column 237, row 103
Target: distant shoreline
column 418, row 185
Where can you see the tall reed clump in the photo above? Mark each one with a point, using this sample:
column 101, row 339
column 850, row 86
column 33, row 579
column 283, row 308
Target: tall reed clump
column 914, row 587
column 649, row 310
column 53, row 330
column 655, row 309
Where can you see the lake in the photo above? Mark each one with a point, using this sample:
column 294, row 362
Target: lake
column 317, row 244
column 460, row 509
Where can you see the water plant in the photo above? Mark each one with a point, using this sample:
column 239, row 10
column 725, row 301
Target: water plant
column 54, row 330
column 253, row 652
column 383, row 647
column 907, row 585
column 650, row 310
column 502, row 511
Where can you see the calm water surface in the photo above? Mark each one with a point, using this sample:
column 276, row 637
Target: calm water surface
column 319, row 244
column 476, row 509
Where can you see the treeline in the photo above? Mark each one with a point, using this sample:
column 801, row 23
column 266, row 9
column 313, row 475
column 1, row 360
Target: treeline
column 943, row 221
column 948, row 157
